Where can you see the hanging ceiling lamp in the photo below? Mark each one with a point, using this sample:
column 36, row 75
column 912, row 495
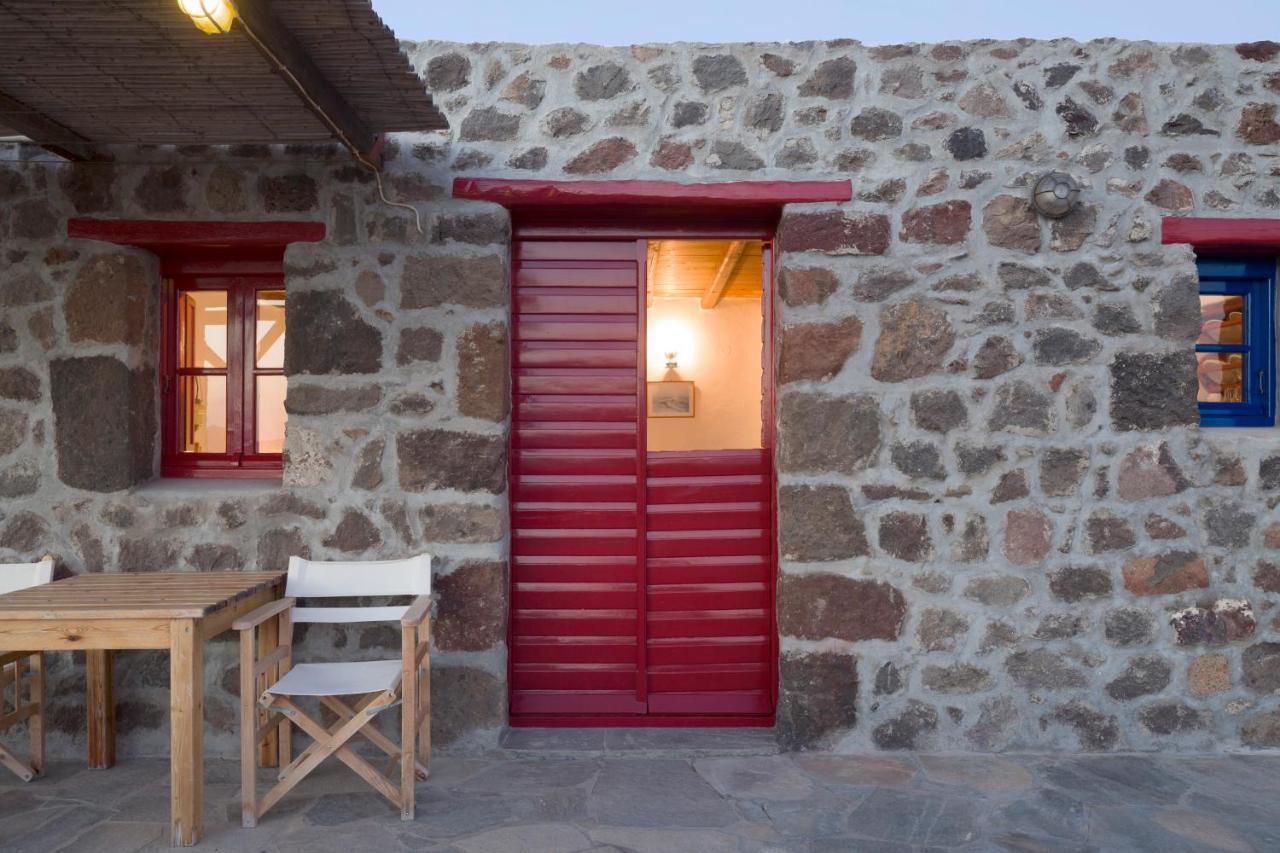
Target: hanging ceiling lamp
column 209, row 16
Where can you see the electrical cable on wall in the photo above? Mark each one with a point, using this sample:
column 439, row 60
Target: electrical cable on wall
column 333, row 126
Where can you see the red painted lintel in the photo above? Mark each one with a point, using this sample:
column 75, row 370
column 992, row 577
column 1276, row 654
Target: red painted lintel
column 559, row 194
column 1204, row 233
column 158, row 235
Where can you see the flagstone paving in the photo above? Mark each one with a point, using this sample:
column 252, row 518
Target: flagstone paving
column 640, row 798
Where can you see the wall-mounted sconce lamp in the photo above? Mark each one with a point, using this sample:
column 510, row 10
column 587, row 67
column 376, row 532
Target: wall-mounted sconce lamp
column 1055, row 194
column 672, row 364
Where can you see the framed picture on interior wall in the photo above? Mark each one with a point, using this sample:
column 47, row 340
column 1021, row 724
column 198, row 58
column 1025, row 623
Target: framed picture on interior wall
column 671, row 399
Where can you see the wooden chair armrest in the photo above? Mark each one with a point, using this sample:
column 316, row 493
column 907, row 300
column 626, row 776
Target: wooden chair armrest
column 416, row 612
column 263, row 613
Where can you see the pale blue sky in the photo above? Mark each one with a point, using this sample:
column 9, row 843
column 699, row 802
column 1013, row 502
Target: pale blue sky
column 869, row 21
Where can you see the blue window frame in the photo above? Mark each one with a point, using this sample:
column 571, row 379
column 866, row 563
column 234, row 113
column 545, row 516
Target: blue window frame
column 1236, row 349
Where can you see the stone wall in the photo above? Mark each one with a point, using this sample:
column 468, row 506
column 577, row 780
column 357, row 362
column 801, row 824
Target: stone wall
column 1001, row 526
column 398, row 398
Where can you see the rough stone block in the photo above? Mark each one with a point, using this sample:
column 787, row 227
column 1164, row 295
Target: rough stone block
column 818, row 698
column 104, row 422
column 430, row 281
column 1151, row 391
column 111, row 301
column 327, row 335
column 823, row 434
column 820, row 606
column 818, row 523
column 472, row 609
column 444, row 459
column 817, row 351
column 915, row 338
column 484, row 374
column 835, row 233
column 1167, row 573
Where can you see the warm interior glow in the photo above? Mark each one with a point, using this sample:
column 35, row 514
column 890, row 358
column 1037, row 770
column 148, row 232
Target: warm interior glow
column 202, row 345
column 269, row 338
column 268, row 354
column 271, row 414
column 718, row 349
column 1221, row 374
column 209, row 16
column 671, row 332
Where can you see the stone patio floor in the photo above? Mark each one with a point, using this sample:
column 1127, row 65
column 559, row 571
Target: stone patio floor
column 685, row 792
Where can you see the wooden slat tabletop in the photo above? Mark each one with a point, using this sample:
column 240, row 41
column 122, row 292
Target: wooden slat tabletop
column 135, row 595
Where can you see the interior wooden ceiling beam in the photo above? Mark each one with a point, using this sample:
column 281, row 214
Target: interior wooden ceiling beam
column 715, row 288
column 289, row 58
column 47, row 133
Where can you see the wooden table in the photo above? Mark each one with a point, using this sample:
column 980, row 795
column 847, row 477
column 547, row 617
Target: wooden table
column 178, row 611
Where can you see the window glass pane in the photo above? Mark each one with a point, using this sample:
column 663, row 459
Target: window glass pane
column 202, row 413
column 271, row 414
column 269, row 346
column 1221, row 376
column 1222, row 319
column 202, row 328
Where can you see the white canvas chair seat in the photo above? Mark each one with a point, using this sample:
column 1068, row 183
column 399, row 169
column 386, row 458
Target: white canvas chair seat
column 339, row 679
column 355, row 692
column 22, row 677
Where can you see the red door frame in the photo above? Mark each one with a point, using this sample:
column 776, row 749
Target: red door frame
column 642, row 210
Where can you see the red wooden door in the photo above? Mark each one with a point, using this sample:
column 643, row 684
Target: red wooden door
column 641, row 583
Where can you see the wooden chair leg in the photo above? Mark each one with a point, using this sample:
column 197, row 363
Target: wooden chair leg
column 11, row 762
column 408, row 721
column 35, row 724
column 269, row 748
column 284, row 734
column 424, row 705
column 11, row 673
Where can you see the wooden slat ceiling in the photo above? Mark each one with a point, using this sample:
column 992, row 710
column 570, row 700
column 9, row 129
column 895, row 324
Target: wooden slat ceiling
column 685, row 268
column 138, row 72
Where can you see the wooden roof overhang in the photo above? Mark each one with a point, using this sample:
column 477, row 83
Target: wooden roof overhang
column 79, row 75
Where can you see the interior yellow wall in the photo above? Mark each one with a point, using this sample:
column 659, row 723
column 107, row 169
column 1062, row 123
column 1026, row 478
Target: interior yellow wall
column 719, row 350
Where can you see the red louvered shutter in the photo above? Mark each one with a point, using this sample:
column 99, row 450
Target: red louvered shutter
column 710, row 573
column 577, row 485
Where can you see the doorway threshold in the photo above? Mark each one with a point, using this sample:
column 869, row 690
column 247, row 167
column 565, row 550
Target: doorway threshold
column 637, row 742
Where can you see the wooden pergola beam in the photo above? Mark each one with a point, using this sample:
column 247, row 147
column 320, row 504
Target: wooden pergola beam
column 290, row 59
column 47, row 133
column 715, row 288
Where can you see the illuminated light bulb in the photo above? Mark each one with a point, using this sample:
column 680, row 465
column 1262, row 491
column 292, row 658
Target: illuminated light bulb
column 209, row 16
column 672, row 364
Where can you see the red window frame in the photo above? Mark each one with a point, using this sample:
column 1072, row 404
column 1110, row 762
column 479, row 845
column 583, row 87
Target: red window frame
column 202, row 248
column 242, row 285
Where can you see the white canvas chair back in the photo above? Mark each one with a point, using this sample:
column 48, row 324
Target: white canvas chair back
column 16, row 576
column 313, row 579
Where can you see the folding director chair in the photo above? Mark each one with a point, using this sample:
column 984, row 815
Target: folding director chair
column 24, row 672
column 356, row 692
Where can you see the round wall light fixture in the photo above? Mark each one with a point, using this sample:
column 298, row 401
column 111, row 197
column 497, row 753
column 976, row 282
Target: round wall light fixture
column 1055, row 194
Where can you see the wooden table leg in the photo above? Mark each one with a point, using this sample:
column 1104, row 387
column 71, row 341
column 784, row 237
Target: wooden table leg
column 100, row 699
column 186, row 724
column 35, row 725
